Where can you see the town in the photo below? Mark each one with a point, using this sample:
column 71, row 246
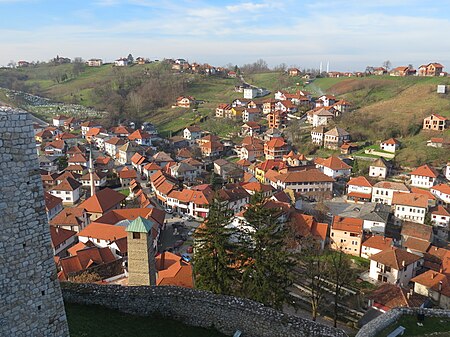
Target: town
column 114, row 193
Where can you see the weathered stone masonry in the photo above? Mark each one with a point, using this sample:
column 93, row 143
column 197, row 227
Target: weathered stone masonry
column 198, row 308
column 30, row 297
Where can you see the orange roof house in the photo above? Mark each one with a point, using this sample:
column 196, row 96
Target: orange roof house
column 102, row 202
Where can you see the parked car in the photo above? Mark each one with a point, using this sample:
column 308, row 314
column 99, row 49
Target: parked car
column 186, row 257
column 192, row 231
column 169, row 210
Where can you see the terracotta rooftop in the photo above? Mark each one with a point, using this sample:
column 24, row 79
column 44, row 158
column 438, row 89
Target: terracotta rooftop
column 103, row 232
column 417, row 230
column 313, row 175
column 347, row 224
column 425, row 171
column 68, row 184
column 102, row 201
column 434, row 280
column 395, row 257
column 333, row 163
column 359, row 181
column 51, row 201
column 390, row 296
column 410, row 199
column 378, row 242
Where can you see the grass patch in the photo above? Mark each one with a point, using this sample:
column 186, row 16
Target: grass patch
column 95, row 321
column 430, row 325
column 125, row 192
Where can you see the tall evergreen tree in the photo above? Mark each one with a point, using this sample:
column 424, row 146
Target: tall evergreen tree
column 214, row 263
column 267, row 267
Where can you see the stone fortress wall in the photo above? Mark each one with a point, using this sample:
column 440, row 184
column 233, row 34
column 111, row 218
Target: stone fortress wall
column 374, row 327
column 198, row 308
column 30, row 297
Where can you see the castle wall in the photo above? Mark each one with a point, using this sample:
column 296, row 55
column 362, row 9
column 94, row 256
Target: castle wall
column 30, row 297
column 198, row 308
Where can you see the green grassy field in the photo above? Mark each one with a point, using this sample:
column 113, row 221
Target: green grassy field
column 437, row 326
column 389, row 106
column 95, row 321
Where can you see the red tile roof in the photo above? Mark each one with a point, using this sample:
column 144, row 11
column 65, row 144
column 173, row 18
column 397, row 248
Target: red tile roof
column 359, row 181
column 333, row 163
column 426, row 171
column 51, row 201
column 103, row 232
column 394, row 258
column 68, row 184
column 102, row 201
column 410, row 199
column 59, row 235
column 378, row 242
column 347, row 224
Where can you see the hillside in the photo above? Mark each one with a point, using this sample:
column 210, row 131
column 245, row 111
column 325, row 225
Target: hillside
column 385, row 106
column 392, row 107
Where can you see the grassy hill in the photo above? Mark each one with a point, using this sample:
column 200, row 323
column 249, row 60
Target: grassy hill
column 385, row 106
column 392, row 107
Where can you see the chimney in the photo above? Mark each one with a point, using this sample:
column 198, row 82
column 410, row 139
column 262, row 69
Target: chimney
column 432, row 276
column 403, row 263
column 440, row 286
column 408, row 296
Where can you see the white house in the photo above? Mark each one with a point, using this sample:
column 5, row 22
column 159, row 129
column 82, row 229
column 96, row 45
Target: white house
column 383, row 191
column 141, row 137
column 374, row 245
column 321, row 117
column 122, row 62
column 149, row 169
column 59, row 120
column 326, row 100
column 424, row 176
column 68, row 190
column 442, row 191
column 447, row 171
column 394, row 265
column 390, row 145
column 333, row 167
column 379, row 168
column 440, row 217
column 435, row 286
column 184, row 171
column 359, row 190
column 61, row 240
column 192, row 133
column 112, row 146
column 317, row 135
column 250, row 93
column 410, row 207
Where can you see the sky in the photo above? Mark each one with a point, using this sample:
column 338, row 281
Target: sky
column 349, row 34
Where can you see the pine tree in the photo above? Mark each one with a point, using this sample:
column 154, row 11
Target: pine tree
column 268, row 266
column 214, row 263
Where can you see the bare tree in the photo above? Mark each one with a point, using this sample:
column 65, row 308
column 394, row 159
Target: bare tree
column 341, row 274
column 78, row 66
column 387, row 64
column 316, row 269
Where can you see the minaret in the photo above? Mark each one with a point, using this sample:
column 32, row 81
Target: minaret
column 320, row 68
column 328, row 66
column 91, row 173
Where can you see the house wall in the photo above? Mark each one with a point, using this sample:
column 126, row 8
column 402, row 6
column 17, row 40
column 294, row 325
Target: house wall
column 389, row 147
column 375, row 171
column 384, row 195
column 374, row 226
column 414, row 214
column 422, row 181
column 376, row 270
column 345, row 241
column 367, row 252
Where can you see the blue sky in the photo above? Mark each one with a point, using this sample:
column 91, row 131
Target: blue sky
column 349, row 34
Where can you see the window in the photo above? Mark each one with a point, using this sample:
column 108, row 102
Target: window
column 136, row 235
